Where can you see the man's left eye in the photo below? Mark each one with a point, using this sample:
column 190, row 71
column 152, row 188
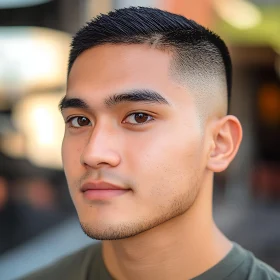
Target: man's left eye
column 138, row 118
column 78, row 121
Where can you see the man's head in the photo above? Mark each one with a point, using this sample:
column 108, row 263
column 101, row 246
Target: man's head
column 145, row 108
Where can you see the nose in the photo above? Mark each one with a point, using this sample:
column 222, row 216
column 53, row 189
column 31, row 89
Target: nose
column 101, row 149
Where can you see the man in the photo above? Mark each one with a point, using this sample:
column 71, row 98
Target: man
column 146, row 129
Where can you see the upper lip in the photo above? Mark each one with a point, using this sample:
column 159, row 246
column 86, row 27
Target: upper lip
column 100, row 185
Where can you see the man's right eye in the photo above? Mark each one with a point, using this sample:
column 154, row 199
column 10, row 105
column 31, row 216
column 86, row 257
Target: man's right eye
column 78, row 121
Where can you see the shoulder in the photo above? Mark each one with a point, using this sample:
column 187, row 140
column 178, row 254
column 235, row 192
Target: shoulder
column 254, row 269
column 72, row 266
column 262, row 271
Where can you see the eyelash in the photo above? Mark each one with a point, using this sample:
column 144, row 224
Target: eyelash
column 135, row 113
column 68, row 121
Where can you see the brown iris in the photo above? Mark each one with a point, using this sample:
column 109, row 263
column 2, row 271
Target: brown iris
column 82, row 121
column 141, row 117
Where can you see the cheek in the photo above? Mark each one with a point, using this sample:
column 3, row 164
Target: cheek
column 166, row 166
column 71, row 153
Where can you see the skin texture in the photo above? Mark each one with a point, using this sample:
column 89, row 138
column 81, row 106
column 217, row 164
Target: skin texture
column 163, row 224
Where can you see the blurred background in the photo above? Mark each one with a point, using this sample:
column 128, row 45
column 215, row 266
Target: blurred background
column 37, row 219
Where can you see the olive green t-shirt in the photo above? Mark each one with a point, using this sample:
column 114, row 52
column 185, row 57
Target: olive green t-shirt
column 87, row 264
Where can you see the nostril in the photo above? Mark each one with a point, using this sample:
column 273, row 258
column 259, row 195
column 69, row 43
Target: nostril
column 94, row 159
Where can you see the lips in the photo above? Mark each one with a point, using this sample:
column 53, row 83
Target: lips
column 99, row 186
column 100, row 190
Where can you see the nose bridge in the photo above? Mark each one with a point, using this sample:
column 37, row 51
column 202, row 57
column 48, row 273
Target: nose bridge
column 102, row 138
column 101, row 146
column 100, row 135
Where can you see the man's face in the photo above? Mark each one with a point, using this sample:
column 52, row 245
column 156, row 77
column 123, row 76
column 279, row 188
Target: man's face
column 151, row 146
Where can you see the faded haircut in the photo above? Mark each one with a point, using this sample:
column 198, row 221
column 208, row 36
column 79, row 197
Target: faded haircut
column 201, row 58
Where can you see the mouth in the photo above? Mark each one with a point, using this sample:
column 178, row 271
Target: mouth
column 100, row 190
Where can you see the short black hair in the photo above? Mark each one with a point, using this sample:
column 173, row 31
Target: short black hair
column 196, row 49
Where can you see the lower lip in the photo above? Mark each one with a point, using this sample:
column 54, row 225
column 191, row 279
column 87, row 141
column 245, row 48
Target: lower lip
column 102, row 194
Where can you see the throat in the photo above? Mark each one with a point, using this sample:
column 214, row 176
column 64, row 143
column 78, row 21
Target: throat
column 139, row 258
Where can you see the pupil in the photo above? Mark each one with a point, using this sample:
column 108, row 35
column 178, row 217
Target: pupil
column 140, row 117
column 83, row 121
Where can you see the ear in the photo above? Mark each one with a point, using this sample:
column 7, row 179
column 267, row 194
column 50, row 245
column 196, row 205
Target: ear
column 226, row 139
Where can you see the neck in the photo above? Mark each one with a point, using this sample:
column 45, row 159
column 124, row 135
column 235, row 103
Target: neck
column 181, row 248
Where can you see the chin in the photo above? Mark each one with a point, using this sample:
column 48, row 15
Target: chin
column 107, row 232
column 102, row 230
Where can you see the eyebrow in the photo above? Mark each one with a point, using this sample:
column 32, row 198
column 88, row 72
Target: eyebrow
column 72, row 103
column 139, row 95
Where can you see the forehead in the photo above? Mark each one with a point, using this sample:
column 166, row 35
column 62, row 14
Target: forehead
column 120, row 66
column 120, row 63
column 103, row 70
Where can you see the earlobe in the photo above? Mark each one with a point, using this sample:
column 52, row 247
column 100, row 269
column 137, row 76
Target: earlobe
column 226, row 137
